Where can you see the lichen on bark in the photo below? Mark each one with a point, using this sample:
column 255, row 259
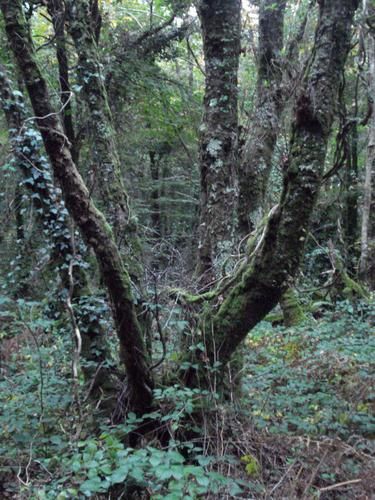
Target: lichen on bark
column 256, row 157
column 220, row 22
column 106, row 168
column 273, row 268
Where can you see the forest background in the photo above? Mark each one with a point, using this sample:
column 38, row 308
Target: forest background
column 187, row 248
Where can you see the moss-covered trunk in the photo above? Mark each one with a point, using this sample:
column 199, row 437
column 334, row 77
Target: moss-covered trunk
column 255, row 164
column 278, row 260
column 221, row 27
column 106, row 170
column 87, row 217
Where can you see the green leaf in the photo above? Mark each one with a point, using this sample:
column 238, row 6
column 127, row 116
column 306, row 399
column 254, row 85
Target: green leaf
column 90, row 486
column 119, row 475
column 203, row 480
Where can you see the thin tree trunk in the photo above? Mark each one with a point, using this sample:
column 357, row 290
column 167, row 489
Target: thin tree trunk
column 20, row 228
column 350, row 214
column 221, row 28
column 367, row 258
column 56, row 9
column 257, row 154
column 256, row 159
column 155, row 195
column 107, row 167
column 88, row 218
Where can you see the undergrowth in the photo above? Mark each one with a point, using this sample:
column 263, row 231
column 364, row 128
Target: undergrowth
column 303, row 426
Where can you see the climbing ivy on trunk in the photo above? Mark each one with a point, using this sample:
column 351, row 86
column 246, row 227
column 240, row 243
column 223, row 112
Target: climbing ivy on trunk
column 91, row 222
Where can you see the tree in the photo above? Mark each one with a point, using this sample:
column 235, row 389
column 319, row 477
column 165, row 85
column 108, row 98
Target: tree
column 57, row 11
column 27, row 146
column 366, row 264
column 91, row 222
column 269, row 273
column 107, row 168
column 273, row 263
column 221, row 31
column 257, row 153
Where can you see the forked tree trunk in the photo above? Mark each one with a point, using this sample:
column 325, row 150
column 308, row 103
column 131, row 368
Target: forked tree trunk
column 272, row 88
column 275, row 265
column 270, row 272
column 221, row 28
column 91, row 222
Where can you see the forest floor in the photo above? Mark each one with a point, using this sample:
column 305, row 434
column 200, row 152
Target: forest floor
column 302, row 427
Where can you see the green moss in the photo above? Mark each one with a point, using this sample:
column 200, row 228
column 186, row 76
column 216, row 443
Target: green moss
column 353, row 288
column 292, row 311
column 252, row 465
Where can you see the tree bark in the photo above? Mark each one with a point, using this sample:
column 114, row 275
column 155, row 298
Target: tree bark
column 367, row 258
column 107, row 166
column 50, row 209
column 255, row 164
column 87, row 217
column 221, row 29
column 268, row 275
column 56, row 9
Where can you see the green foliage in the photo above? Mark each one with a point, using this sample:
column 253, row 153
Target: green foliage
column 314, row 379
column 100, row 465
column 43, row 439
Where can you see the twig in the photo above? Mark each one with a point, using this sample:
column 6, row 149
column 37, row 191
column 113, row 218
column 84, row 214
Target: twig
column 93, row 381
column 338, row 485
column 43, row 467
column 283, row 477
column 313, row 475
column 41, row 372
column 49, row 114
column 27, row 482
column 195, row 57
column 76, row 331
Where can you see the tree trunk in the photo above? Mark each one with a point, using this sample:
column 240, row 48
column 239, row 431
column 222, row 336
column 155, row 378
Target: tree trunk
column 367, row 259
column 56, row 9
column 350, row 213
column 87, row 217
column 268, row 275
column 107, row 165
column 221, row 28
column 292, row 311
column 27, row 146
column 155, row 195
column 258, row 150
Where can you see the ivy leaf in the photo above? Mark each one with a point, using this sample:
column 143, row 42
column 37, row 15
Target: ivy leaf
column 119, row 475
